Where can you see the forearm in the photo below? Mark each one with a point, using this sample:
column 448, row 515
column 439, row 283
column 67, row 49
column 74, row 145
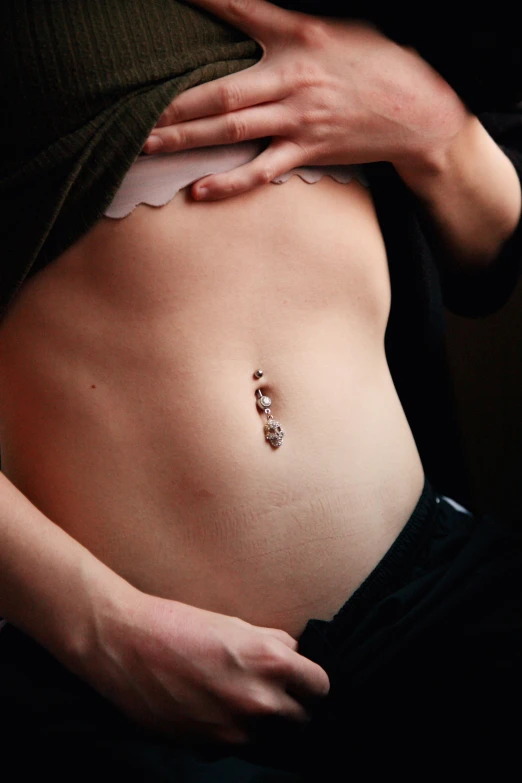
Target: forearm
column 177, row 669
column 471, row 193
column 51, row 587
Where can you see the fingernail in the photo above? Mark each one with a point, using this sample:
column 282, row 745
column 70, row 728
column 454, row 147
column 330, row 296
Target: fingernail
column 202, row 193
column 153, row 144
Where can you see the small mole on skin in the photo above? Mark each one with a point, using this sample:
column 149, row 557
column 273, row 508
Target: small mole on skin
column 93, row 386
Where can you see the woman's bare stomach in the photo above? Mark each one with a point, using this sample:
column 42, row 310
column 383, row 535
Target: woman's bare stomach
column 128, row 411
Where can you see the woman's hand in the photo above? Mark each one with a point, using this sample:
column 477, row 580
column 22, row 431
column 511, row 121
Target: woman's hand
column 326, row 91
column 197, row 675
column 193, row 674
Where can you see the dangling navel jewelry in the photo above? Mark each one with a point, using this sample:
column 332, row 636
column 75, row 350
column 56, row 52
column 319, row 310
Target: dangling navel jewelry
column 274, row 433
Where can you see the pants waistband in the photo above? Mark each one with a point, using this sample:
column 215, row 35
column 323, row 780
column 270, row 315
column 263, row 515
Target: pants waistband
column 319, row 637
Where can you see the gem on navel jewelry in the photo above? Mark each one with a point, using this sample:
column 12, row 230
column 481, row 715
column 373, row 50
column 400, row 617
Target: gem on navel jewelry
column 274, row 433
column 262, row 400
column 258, row 374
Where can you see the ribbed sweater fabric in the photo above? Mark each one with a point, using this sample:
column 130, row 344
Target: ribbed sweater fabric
column 83, row 85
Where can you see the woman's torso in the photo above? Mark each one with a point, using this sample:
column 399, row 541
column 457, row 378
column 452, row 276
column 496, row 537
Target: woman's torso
column 128, row 409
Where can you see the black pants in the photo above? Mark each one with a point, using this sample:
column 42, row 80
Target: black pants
column 424, row 662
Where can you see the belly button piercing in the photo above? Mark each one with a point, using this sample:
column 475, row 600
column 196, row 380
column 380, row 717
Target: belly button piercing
column 274, row 433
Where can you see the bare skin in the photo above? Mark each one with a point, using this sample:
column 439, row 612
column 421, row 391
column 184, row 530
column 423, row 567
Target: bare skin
column 127, row 372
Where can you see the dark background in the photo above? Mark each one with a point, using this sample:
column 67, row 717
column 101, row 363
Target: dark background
column 486, row 367
column 476, row 47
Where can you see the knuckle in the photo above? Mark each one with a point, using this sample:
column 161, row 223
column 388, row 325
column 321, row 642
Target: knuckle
column 308, row 75
column 224, row 187
column 284, row 637
column 310, row 119
column 290, row 641
column 313, row 33
column 260, row 704
column 177, row 138
column 235, row 128
column 272, row 657
column 229, row 95
column 241, row 9
column 230, row 188
column 171, row 115
column 266, row 707
column 265, row 175
column 293, row 121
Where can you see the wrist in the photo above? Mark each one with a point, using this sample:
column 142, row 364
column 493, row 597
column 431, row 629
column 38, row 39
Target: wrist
column 101, row 604
column 470, row 192
column 122, row 642
column 51, row 586
column 425, row 169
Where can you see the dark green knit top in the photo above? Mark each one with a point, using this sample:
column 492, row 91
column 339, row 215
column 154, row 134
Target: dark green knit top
column 83, row 83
